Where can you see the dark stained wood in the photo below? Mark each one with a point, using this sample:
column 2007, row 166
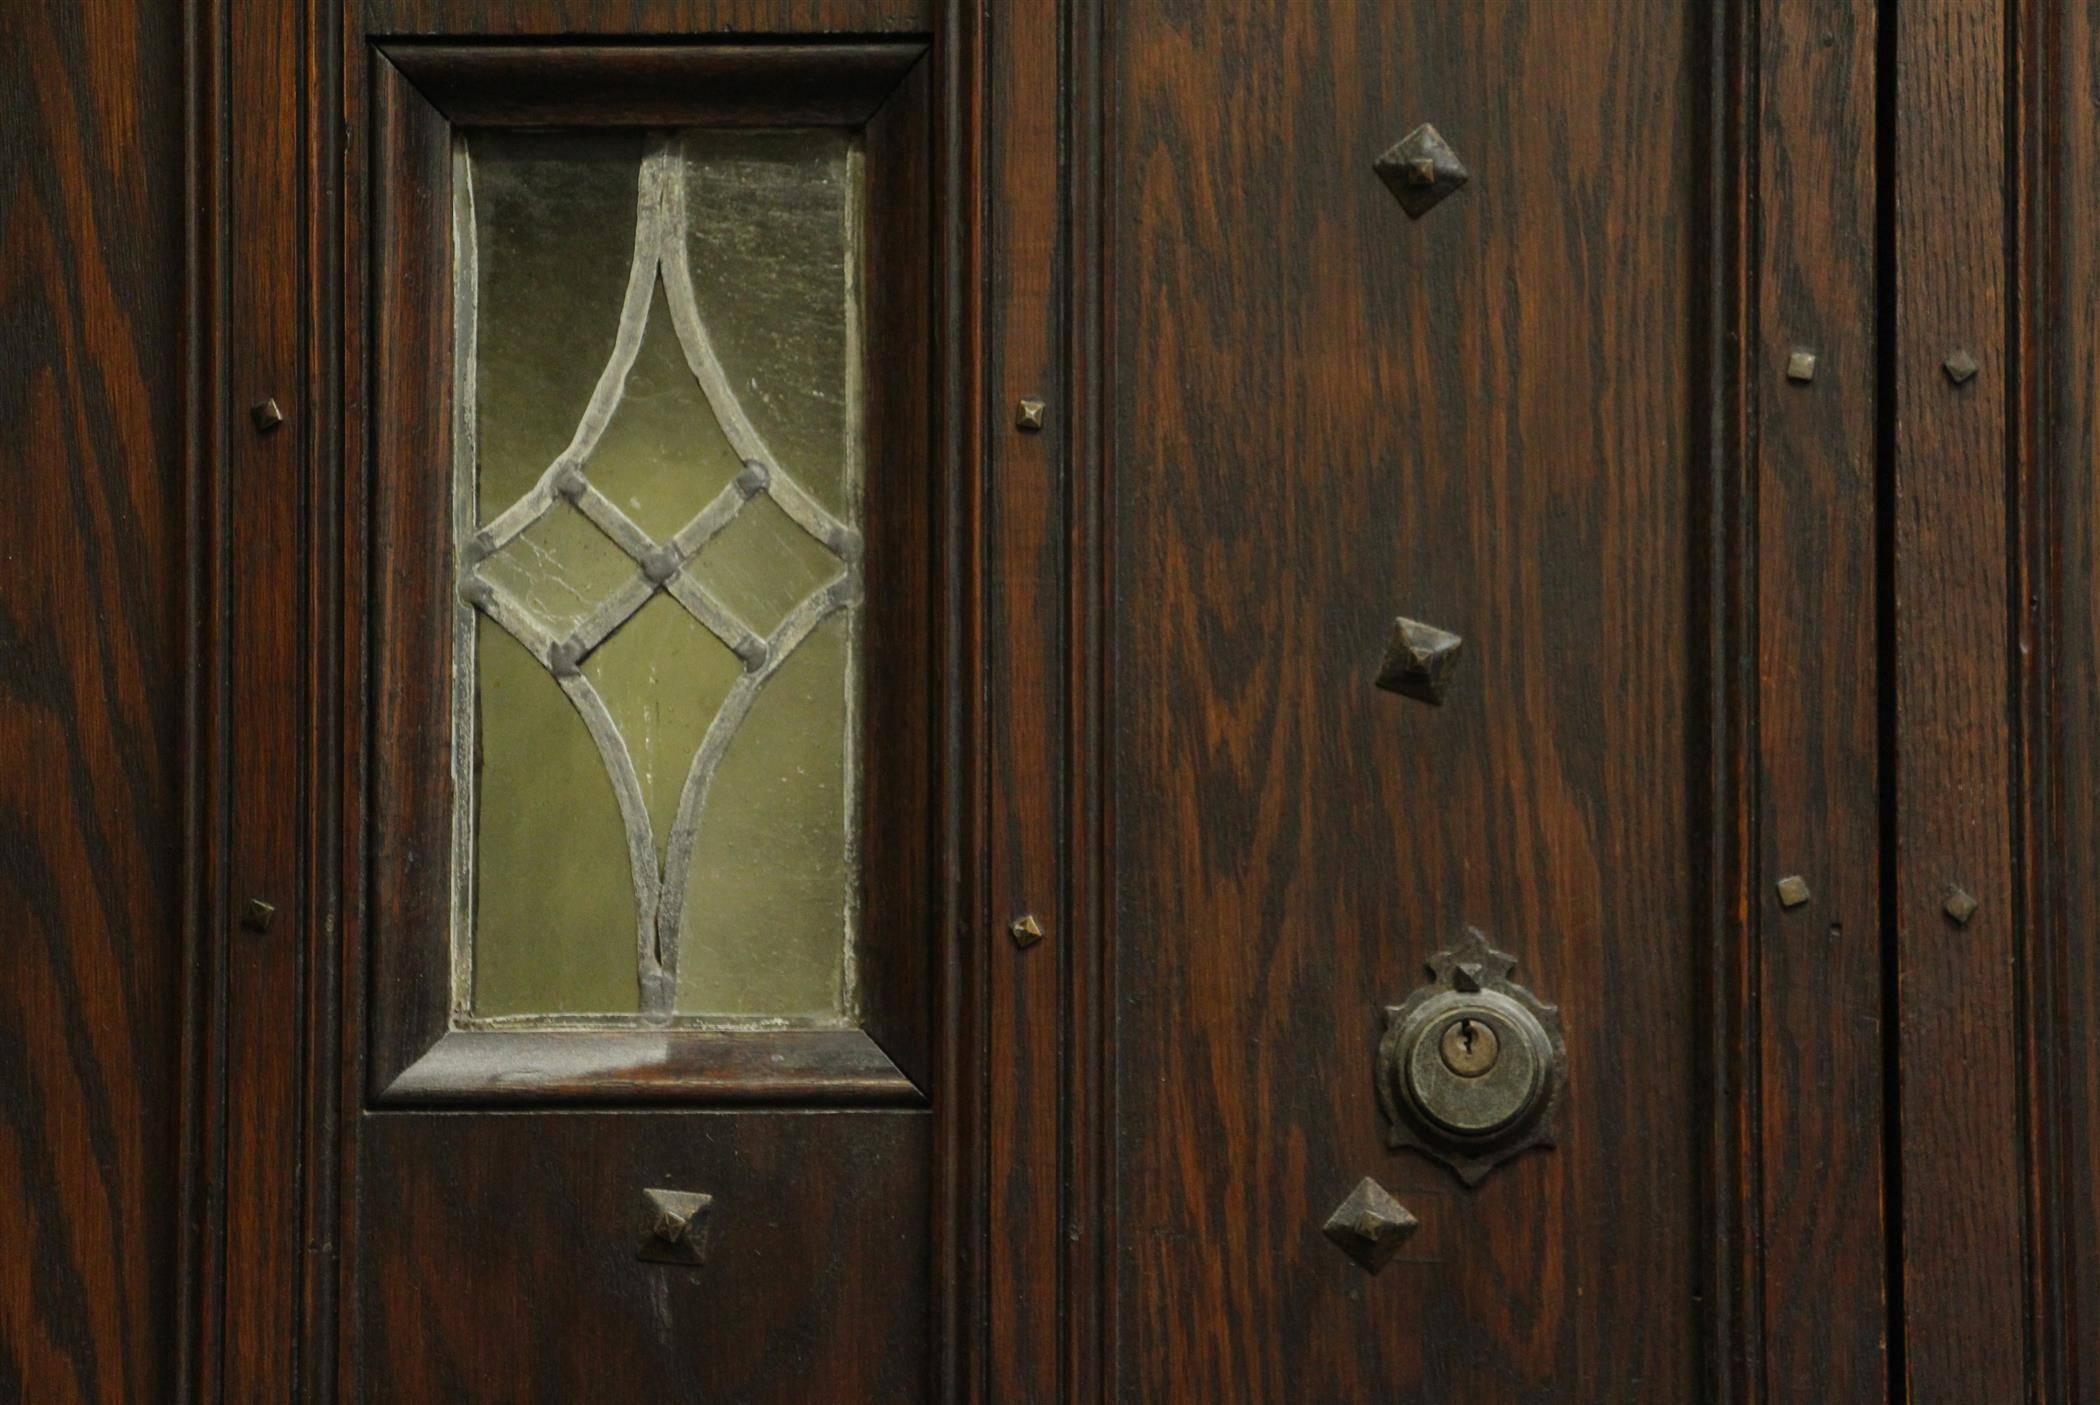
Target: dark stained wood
column 1090, row 1202
column 93, row 636
column 329, row 1080
column 409, row 702
column 645, row 18
column 1721, row 628
column 1963, row 1234
column 502, row 1258
column 801, row 1067
column 908, row 572
column 1817, row 1036
column 1325, row 414
column 266, row 837
column 769, row 85
column 957, row 1223
column 1726, row 581
column 2056, row 441
column 203, row 1298
column 359, row 105
column 1026, row 657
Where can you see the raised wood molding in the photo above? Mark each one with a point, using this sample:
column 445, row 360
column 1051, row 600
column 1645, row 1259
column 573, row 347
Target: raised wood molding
column 1811, row 523
column 2053, row 441
column 1962, row 1235
column 816, row 83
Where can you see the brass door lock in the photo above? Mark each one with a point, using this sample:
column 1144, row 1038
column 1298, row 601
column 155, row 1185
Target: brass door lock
column 1472, row 1065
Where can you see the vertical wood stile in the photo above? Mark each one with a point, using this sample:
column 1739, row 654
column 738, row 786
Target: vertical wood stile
column 1817, row 1043
column 1025, row 650
column 265, row 503
column 1958, row 985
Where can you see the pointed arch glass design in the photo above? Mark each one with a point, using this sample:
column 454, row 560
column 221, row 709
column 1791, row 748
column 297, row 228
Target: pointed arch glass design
column 656, row 514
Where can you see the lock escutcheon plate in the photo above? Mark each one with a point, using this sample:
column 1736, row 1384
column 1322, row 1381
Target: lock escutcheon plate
column 1472, row 1065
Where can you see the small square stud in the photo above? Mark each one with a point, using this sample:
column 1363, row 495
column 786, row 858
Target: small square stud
column 1370, row 1226
column 1960, row 905
column 675, row 1226
column 1793, row 890
column 1030, row 415
column 1801, row 366
column 1419, row 660
column 266, row 415
column 1960, row 367
column 257, row 915
column 1421, row 169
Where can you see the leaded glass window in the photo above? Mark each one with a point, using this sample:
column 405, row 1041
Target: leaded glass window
column 657, row 516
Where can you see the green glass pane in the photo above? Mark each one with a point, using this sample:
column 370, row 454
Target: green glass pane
column 663, row 676
column 560, row 568
column 663, row 456
column 770, row 220
column 554, row 216
column 553, row 897
column 763, row 565
column 767, row 910
column 767, row 918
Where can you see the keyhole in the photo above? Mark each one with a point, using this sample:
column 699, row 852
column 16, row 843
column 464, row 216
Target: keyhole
column 1469, row 1046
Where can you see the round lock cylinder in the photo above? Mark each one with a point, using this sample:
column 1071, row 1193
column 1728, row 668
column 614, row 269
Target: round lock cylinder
column 1470, row 1069
column 1475, row 1065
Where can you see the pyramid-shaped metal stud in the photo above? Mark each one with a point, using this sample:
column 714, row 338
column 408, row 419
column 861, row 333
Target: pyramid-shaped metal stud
column 1420, row 170
column 1370, row 1226
column 1960, row 367
column 675, row 1231
column 1419, row 660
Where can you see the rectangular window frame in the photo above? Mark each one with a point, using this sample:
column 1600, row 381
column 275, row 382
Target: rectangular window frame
column 424, row 95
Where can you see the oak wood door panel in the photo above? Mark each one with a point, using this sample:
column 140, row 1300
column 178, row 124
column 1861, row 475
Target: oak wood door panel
column 499, row 1256
column 95, row 646
column 1494, row 419
column 1814, row 1137
column 1656, row 412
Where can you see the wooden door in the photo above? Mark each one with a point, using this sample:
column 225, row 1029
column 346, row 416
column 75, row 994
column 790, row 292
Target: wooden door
column 1490, row 408
column 888, row 700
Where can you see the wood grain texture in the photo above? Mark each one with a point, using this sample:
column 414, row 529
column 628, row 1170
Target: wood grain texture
column 1325, row 415
column 1528, row 416
column 502, row 1266
column 1963, row 1071
column 1818, row 1039
column 957, row 1222
column 909, row 574
column 407, row 916
column 495, row 85
column 92, row 641
column 620, row 18
column 2059, row 420
column 264, row 534
column 1026, row 659
column 826, row 1067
